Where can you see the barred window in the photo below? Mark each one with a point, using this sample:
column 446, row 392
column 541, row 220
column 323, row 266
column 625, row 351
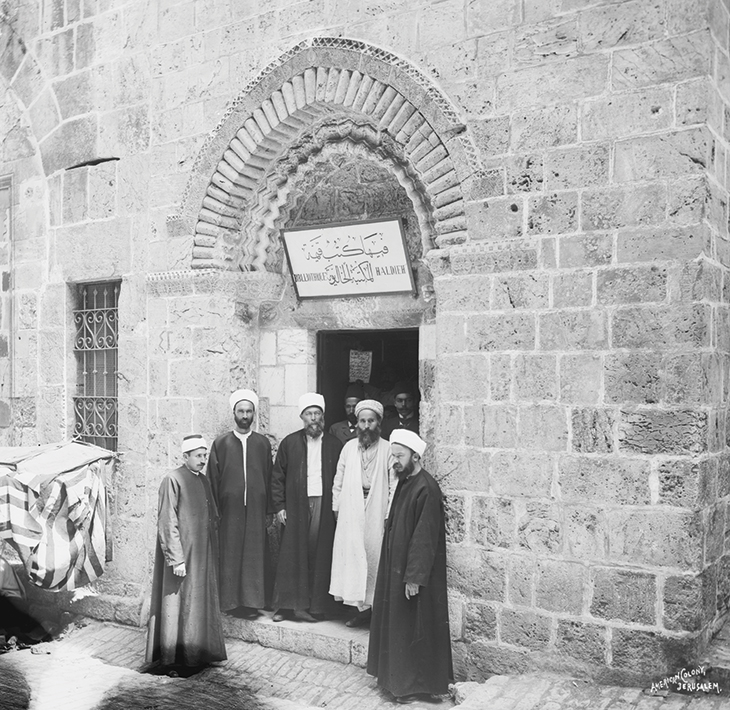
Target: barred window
column 95, row 345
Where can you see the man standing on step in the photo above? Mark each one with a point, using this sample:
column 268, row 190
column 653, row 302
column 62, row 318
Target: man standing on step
column 360, row 501
column 301, row 491
column 240, row 475
column 184, row 631
column 410, row 644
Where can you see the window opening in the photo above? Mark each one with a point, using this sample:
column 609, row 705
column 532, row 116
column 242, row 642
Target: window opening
column 96, row 349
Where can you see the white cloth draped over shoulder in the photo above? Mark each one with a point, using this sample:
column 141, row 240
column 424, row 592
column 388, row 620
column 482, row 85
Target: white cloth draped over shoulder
column 360, row 524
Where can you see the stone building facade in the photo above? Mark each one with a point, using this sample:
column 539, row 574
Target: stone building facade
column 561, row 166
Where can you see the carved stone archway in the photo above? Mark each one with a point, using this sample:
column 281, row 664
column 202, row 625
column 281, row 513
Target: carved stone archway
column 323, row 90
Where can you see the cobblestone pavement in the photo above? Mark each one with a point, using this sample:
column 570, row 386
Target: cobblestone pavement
column 96, row 667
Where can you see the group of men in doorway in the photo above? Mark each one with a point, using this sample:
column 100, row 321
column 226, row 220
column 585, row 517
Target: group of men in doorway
column 361, row 524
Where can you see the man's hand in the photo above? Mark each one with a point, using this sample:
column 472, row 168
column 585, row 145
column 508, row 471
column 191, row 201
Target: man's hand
column 179, row 570
column 281, row 517
column 411, row 590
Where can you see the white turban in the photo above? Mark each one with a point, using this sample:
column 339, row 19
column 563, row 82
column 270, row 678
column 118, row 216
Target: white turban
column 311, row 399
column 406, row 437
column 369, row 404
column 248, row 395
column 192, row 442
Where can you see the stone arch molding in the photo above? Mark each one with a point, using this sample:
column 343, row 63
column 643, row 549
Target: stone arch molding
column 323, row 90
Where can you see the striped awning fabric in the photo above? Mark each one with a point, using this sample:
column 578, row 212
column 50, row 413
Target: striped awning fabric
column 53, row 511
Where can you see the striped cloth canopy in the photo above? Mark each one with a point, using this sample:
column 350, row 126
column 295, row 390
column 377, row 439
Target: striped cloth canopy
column 53, row 511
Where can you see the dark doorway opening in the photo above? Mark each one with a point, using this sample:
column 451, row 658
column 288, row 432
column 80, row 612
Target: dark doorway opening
column 394, row 359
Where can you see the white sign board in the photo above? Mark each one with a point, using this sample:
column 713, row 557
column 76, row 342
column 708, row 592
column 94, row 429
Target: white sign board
column 354, row 259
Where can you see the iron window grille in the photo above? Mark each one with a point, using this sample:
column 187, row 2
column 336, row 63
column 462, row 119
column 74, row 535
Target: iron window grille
column 96, row 349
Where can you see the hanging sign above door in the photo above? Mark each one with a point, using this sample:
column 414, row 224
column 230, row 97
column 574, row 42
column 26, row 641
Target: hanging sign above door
column 349, row 259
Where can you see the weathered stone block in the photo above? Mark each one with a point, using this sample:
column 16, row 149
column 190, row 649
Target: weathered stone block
column 687, row 484
column 676, row 154
column 656, row 537
column 73, row 142
column 500, row 219
column 463, row 293
column 530, row 291
column 585, row 642
column 543, row 428
column 636, row 284
column 462, row 377
column 655, row 431
column 633, row 377
column 586, row 534
column 491, row 135
column 688, row 601
column 580, row 378
column 573, row 330
column 571, row 289
column 508, row 331
column 664, row 243
column 470, row 262
column 593, row 430
column 544, row 128
column 617, row 25
column 692, row 378
column 661, row 326
column 520, row 571
column 577, row 167
column 556, row 213
column 476, row 573
column 692, row 102
column 623, row 207
column 554, row 82
column 484, row 659
column 538, row 527
column 538, row 43
column 75, row 195
column 480, row 622
column 700, row 281
column 535, row 377
column 603, row 480
column 686, row 200
column 493, row 522
column 500, row 377
column 451, row 334
column 454, row 512
column 625, row 114
column 559, row 586
column 525, row 173
column 588, row 250
column 521, row 474
column 102, row 190
column 624, row 595
column 524, row 628
column 649, row 653
column 499, row 427
column 74, row 94
column 125, row 131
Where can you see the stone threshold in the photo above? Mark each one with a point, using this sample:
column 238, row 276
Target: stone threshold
column 329, row 640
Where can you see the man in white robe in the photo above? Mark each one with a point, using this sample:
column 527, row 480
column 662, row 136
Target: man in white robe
column 360, row 495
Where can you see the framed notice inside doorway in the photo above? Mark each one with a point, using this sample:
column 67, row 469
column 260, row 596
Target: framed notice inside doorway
column 349, row 259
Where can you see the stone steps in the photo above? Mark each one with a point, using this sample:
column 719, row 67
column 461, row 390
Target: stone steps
column 329, row 640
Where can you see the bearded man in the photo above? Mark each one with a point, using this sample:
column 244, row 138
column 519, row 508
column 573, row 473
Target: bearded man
column 360, row 501
column 184, row 630
column 410, row 644
column 301, row 491
column 239, row 469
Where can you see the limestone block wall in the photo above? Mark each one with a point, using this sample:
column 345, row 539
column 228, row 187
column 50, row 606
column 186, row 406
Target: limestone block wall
column 574, row 381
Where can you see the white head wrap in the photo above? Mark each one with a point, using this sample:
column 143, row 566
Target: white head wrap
column 311, row 399
column 369, row 404
column 192, row 442
column 248, row 395
column 406, row 437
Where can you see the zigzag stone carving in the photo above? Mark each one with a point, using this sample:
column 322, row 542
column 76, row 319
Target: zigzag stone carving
column 323, row 90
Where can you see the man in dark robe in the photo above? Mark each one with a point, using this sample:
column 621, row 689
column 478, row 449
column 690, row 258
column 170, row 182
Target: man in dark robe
column 239, row 469
column 184, row 628
column 406, row 405
column 410, row 644
column 347, row 429
column 301, row 491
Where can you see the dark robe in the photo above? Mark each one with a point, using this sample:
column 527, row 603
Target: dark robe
column 243, row 538
column 391, row 423
column 410, row 644
column 185, row 626
column 343, row 432
column 299, row 585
